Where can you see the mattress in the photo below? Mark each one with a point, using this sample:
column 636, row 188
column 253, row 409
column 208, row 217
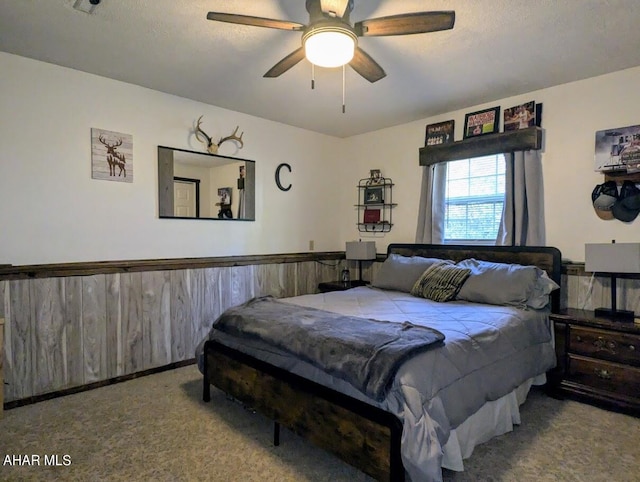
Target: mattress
column 489, row 352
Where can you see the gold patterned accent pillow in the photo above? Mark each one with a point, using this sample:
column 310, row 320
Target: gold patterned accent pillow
column 440, row 282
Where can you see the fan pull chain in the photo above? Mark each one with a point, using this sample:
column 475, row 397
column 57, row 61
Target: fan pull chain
column 344, row 83
column 313, row 76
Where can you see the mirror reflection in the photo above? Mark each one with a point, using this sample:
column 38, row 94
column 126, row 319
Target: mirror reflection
column 197, row 185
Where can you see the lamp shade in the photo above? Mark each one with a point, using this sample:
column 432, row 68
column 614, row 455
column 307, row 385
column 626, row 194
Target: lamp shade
column 361, row 250
column 330, row 46
column 612, row 257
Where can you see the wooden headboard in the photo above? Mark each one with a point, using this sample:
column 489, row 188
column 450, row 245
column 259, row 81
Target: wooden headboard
column 544, row 257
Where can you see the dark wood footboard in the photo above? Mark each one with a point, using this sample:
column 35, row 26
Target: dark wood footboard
column 362, row 435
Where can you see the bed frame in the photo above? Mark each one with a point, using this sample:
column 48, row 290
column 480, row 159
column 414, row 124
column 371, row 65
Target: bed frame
column 362, row 435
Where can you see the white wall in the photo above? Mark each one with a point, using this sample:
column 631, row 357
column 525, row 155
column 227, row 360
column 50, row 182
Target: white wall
column 52, row 211
column 572, row 113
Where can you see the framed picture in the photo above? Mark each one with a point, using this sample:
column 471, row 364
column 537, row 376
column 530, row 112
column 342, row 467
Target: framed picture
column 111, row 155
column 618, row 149
column 482, row 122
column 373, row 195
column 440, row 133
column 522, row 116
column 224, row 193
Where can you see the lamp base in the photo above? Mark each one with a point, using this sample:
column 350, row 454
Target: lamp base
column 617, row 315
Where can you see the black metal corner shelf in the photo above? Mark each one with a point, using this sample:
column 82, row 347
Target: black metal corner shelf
column 375, row 205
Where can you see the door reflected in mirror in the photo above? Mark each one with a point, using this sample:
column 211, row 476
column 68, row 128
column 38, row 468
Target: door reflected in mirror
column 197, row 185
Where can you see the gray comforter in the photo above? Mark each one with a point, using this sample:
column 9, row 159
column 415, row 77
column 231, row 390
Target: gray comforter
column 488, row 352
column 364, row 352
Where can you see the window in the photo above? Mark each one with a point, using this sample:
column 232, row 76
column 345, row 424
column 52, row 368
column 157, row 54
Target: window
column 474, row 197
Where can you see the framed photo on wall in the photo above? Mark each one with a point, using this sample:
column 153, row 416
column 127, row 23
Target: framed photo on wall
column 439, row 133
column 482, row 122
column 373, row 195
column 522, row 116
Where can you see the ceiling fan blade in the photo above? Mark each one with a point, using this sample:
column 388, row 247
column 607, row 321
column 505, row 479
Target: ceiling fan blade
column 254, row 21
column 285, row 64
column 366, row 66
column 405, row 24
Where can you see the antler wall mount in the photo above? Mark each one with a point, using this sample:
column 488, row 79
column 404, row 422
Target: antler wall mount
column 212, row 147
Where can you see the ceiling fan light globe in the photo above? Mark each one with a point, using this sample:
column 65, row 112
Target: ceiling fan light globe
column 329, row 48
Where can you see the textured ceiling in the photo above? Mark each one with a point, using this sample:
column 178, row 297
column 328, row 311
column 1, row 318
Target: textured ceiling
column 497, row 48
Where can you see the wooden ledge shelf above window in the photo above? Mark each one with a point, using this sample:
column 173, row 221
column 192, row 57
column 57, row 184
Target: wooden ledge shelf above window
column 520, row 140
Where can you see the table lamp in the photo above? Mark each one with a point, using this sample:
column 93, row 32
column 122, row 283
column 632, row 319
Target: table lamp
column 613, row 258
column 360, row 251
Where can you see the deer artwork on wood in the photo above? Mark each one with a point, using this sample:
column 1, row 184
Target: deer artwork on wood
column 212, row 147
column 114, row 158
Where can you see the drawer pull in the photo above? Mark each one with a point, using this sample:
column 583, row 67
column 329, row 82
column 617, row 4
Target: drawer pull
column 579, row 338
column 632, row 348
column 602, row 344
column 601, row 373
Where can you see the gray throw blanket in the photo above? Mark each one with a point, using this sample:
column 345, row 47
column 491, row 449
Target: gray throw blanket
column 364, row 352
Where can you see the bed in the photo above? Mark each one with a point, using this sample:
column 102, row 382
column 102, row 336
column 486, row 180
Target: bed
column 441, row 401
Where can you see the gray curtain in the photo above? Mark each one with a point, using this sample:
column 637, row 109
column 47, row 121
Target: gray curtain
column 523, row 214
column 430, row 228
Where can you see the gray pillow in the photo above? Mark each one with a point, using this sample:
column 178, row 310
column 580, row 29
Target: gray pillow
column 400, row 273
column 540, row 297
column 498, row 283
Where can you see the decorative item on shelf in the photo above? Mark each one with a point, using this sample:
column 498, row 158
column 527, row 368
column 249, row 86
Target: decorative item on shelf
column 111, row 156
column 482, row 122
column 613, row 258
column 522, row 116
column 375, row 177
column 439, row 133
column 360, row 251
column 374, row 195
column 618, row 149
column 212, row 147
column 371, row 216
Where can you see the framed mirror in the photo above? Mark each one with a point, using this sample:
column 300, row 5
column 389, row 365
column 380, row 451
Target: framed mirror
column 198, row 185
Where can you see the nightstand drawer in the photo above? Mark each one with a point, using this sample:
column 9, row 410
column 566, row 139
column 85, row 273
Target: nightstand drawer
column 603, row 375
column 605, row 345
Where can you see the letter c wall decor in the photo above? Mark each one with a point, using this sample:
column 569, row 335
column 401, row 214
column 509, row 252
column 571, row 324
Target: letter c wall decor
column 278, row 183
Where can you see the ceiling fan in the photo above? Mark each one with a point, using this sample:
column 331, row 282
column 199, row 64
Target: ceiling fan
column 330, row 40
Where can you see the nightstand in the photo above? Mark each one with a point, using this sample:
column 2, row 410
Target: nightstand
column 327, row 286
column 598, row 360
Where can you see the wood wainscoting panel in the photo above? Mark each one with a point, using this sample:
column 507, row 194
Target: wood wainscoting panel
column 113, row 325
column 73, row 331
column 18, row 370
column 181, row 316
column 198, row 289
column 49, row 369
column 156, row 318
column 95, row 321
column 131, row 340
column 75, row 327
column 271, row 280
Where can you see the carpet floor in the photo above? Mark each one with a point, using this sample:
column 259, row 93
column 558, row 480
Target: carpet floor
column 156, row 428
